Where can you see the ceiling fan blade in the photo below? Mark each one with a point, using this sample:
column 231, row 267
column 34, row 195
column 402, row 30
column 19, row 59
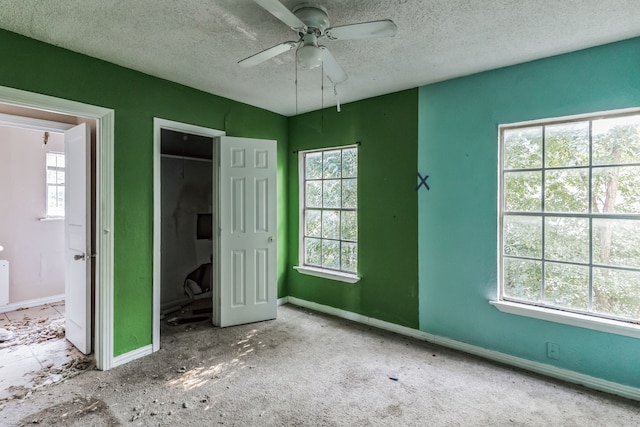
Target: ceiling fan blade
column 281, row 12
column 267, row 54
column 364, row 30
column 332, row 69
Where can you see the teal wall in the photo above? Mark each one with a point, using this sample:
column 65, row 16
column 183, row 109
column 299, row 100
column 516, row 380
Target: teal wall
column 387, row 127
column 458, row 148
column 138, row 98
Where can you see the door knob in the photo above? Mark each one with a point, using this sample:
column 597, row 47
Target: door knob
column 79, row 257
column 270, row 239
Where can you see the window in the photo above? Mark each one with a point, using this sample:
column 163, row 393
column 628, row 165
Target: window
column 329, row 211
column 570, row 216
column 55, row 185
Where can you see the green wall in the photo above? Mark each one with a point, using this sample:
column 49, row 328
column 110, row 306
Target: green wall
column 138, row 98
column 458, row 148
column 387, row 128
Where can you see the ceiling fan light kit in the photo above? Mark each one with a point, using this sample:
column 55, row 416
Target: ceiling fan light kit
column 311, row 22
column 309, row 57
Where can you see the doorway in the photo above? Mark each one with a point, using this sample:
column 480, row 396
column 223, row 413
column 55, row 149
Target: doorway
column 185, row 183
column 242, row 218
column 102, row 267
column 49, row 224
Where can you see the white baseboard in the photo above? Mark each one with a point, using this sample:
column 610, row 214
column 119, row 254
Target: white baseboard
column 132, row 355
column 31, row 303
column 537, row 367
column 283, row 301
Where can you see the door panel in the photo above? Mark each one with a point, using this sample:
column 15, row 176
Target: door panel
column 248, row 287
column 77, row 238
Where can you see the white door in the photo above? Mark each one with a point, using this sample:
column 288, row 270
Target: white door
column 77, row 238
column 247, row 286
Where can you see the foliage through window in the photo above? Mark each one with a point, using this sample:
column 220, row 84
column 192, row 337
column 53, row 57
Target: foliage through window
column 55, row 185
column 329, row 191
column 570, row 215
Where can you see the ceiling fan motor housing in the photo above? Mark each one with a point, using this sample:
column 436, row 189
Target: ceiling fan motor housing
column 315, row 18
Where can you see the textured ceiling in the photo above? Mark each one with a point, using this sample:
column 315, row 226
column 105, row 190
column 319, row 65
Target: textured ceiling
column 198, row 42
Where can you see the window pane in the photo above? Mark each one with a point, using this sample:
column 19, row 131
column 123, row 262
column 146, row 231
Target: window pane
column 616, row 292
column 313, row 165
column 55, row 200
column 616, row 189
column 616, row 242
column 523, row 191
column 331, row 165
column 567, row 191
column 331, row 197
column 523, row 236
column 331, row 224
column 330, row 233
column 566, row 239
column 52, row 195
column 60, row 177
column 350, row 163
column 522, row 279
column 313, row 224
column 331, row 254
column 51, row 159
column 349, row 225
column 313, row 251
column 313, row 194
column 616, row 140
column 567, row 144
column 349, row 257
column 51, row 176
column 349, row 193
column 523, row 148
column 566, row 285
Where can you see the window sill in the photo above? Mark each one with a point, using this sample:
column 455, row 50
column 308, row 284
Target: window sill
column 573, row 319
column 52, row 218
column 328, row 274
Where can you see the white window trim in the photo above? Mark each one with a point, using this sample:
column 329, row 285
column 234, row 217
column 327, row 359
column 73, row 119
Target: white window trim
column 568, row 318
column 324, row 273
column 556, row 315
column 328, row 274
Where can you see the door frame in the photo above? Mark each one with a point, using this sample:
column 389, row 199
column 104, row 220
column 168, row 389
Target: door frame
column 104, row 194
column 158, row 125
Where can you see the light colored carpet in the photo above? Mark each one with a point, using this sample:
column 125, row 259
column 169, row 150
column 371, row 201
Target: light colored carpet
column 309, row 369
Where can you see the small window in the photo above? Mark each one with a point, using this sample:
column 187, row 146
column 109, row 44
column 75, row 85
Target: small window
column 329, row 209
column 55, row 185
column 570, row 215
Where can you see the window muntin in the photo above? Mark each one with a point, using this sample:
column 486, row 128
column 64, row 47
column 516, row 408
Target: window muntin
column 55, row 184
column 330, row 209
column 570, row 215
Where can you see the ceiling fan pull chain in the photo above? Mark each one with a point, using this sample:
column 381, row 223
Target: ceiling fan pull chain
column 295, row 66
column 335, row 92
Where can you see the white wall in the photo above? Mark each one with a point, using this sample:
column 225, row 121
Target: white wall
column 186, row 191
column 34, row 248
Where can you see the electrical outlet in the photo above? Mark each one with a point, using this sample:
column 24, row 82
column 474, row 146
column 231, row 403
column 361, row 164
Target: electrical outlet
column 553, row 351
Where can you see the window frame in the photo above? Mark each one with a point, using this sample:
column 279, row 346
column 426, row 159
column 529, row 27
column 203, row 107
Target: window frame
column 48, row 214
column 580, row 318
column 327, row 273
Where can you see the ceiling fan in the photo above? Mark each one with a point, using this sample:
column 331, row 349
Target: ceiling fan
column 311, row 23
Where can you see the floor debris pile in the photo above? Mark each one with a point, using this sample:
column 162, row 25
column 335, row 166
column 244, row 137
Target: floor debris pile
column 83, row 411
column 29, row 331
column 34, row 351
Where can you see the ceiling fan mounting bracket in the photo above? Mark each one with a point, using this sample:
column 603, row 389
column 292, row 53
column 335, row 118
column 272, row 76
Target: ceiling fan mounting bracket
column 315, row 18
